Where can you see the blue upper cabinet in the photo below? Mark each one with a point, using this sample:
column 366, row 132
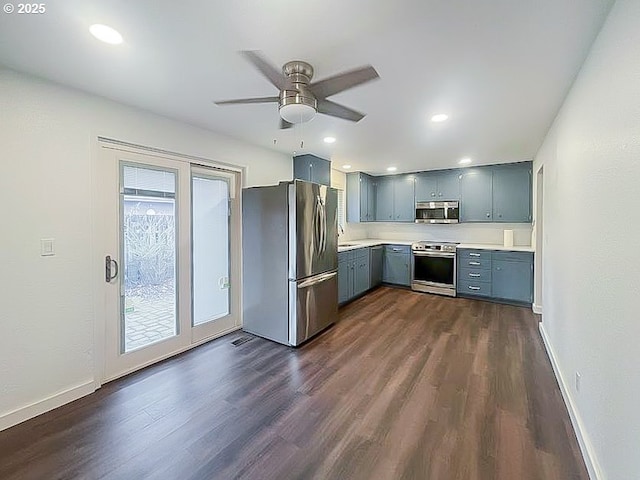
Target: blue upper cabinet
column 494, row 193
column 438, row 186
column 512, row 193
column 395, row 200
column 384, row 199
column 449, row 185
column 361, row 198
column 426, row 187
column 498, row 193
column 312, row 169
column 476, row 190
column 404, row 204
column 371, row 199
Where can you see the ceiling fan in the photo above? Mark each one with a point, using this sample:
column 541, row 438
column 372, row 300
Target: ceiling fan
column 300, row 100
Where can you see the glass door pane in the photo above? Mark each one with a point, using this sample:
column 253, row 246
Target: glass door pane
column 148, row 236
column 210, row 248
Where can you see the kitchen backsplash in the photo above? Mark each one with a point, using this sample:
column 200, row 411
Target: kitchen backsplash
column 353, row 231
column 462, row 232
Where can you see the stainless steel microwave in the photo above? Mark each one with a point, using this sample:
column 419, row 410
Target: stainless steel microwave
column 437, row 212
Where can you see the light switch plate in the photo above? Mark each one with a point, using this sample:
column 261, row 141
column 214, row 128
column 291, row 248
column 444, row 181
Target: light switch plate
column 47, row 247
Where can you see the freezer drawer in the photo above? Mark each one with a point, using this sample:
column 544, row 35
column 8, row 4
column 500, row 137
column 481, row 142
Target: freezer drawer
column 313, row 306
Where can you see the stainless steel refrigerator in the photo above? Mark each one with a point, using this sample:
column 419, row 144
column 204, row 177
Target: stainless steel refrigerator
column 289, row 260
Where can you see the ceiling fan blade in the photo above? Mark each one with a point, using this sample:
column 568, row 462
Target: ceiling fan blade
column 249, row 100
column 336, row 110
column 274, row 75
column 343, row 81
column 284, row 124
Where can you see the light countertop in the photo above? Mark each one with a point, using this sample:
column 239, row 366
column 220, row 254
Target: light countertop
column 370, row 242
column 485, row 246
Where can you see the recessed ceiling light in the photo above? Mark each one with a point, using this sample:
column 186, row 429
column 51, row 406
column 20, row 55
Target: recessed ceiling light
column 464, row 161
column 329, row 139
column 440, row 117
column 392, row 169
column 347, row 167
column 106, row 34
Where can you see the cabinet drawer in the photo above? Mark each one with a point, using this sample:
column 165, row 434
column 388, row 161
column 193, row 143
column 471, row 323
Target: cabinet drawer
column 480, row 289
column 474, row 274
column 406, row 249
column 474, row 254
column 361, row 253
column 476, row 263
column 509, row 256
column 346, row 256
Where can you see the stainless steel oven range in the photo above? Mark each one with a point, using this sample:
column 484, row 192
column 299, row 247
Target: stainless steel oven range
column 433, row 268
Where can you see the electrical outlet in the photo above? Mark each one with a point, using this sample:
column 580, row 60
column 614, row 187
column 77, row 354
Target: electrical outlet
column 578, row 378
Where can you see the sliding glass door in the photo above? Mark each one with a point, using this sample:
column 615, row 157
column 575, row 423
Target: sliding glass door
column 171, row 255
column 211, row 227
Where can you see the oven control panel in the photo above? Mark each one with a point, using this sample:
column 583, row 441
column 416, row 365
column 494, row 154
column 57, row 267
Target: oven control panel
column 433, row 246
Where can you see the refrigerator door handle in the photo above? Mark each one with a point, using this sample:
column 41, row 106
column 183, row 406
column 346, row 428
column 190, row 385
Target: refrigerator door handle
column 323, row 229
column 316, row 280
column 317, row 224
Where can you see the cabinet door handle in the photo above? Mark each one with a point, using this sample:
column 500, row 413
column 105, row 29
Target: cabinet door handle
column 473, row 288
column 498, row 268
column 397, row 249
column 474, row 263
column 474, row 275
column 488, row 215
column 433, row 194
column 471, row 254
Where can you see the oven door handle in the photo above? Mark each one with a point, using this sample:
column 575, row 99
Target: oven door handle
column 434, row 254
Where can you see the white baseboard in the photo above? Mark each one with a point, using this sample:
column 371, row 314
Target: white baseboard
column 23, row 414
column 54, row 401
column 590, row 460
column 537, row 309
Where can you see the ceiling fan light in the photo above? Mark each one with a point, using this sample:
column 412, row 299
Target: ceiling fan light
column 297, row 112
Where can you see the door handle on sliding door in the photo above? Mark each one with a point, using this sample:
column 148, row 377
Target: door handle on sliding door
column 108, row 263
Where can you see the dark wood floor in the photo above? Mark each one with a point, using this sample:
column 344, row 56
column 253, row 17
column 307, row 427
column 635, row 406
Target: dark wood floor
column 405, row 386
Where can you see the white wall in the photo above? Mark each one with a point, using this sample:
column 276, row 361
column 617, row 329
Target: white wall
column 46, row 140
column 591, row 161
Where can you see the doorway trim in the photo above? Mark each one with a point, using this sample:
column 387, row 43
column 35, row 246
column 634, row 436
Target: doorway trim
column 538, row 232
column 97, row 247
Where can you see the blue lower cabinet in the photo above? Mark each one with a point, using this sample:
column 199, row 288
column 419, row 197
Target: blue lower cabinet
column 512, row 280
column 500, row 275
column 396, row 265
column 345, row 281
column 469, row 274
column 354, row 274
column 474, row 287
column 362, row 273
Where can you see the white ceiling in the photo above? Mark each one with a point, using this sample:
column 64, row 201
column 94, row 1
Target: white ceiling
column 499, row 68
